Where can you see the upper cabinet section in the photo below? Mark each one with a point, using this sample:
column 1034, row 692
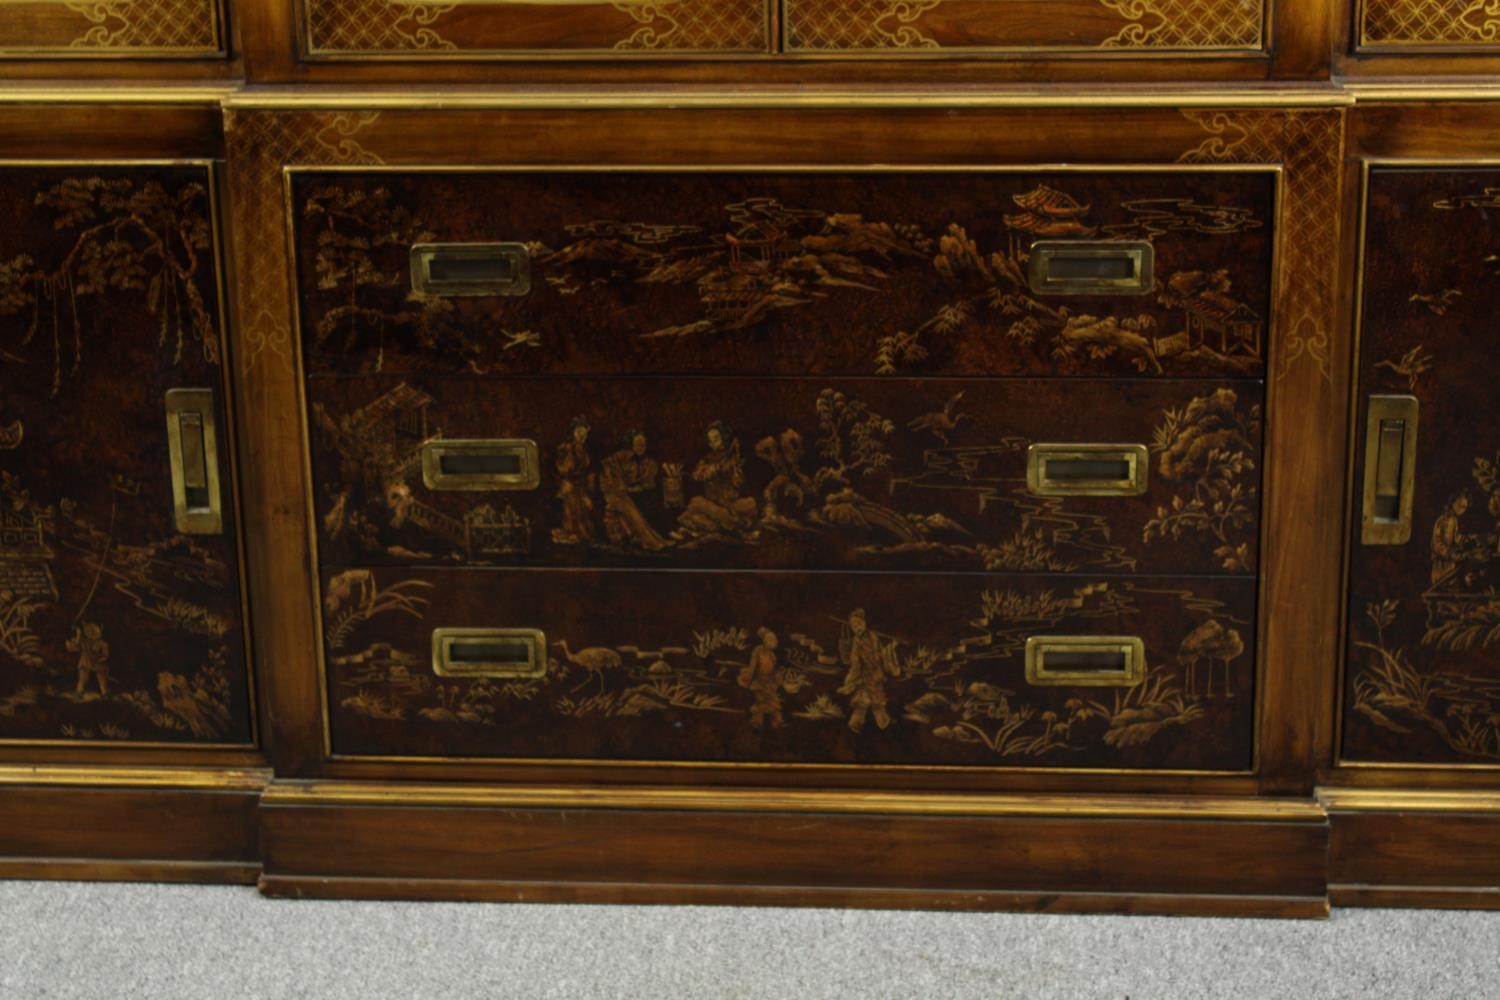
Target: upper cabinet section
column 113, row 30
column 897, row 42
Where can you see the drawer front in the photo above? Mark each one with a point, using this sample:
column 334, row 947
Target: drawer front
column 1040, row 27
column 782, row 668
column 839, row 272
column 1423, row 659
column 1085, row 476
column 60, row 29
column 466, row 29
column 1429, row 25
column 120, row 610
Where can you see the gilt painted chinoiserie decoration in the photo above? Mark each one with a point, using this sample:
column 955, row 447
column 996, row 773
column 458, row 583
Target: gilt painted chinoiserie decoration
column 1422, row 681
column 120, row 607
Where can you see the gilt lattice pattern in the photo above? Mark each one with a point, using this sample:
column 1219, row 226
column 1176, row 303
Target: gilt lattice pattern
column 260, row 144
column 1188, row 24
column 385, row 26
column 175, row 25
column 896, row 24
column 860, row 24
column 1431, row 22
column 696, row 24
column 1311, row 147
column 375, row 26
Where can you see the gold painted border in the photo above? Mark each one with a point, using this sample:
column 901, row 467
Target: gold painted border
column 1352, row 451
column 223, row 779
column 791, row 800
column 1277, row 170
column 431, row 100
column 1407, row 800
column 217, row 233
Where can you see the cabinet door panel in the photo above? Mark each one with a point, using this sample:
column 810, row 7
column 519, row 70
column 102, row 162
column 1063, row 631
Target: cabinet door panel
column 110, row 29
column 1423, row 660
column 794, row 473
column 387, row 29
column 784, row 272
column 1033, row 27
column 868, row 668
column 120, row 617
column 1446, row 26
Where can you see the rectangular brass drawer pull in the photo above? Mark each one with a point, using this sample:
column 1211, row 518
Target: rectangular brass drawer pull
column 1085, row 661
column 1100, row 470
column 489, row 652
column 193, row 454
column 471, row 268
column 499, row 464
column 1092, row 267
column 1390, row 470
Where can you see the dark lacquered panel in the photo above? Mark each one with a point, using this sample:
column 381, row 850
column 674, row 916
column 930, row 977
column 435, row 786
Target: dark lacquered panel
column 1035, row 27
column 793, row 668
column 791, row 273
column 114, row 625
column 1423, row 675
column 793, row 473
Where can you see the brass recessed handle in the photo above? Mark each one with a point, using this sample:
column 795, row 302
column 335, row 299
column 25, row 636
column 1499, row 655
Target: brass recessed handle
column 193, row 454
column 472, row 464
column 1091, row 267
column 1098, row 470
column 471, row 268
column 510, row 653
column 1085, row 661
column 1390, row 470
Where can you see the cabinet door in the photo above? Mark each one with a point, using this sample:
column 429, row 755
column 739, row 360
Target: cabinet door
column 1431, row 26
column 489, row 29
column 1033, row 27
column 111, row 29
column 120, row 608
column 1423, row 656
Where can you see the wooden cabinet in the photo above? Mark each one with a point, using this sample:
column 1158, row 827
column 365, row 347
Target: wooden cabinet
column 706, row 459
column 1422, row 684
column 129, row 744
column 119, row 566
column 1412, row 795
column 734, row 427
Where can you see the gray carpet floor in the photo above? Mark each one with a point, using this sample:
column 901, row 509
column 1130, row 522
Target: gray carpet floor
column 76, row 940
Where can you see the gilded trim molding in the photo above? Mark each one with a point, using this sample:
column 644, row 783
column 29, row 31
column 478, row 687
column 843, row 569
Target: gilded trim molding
column 333, row 793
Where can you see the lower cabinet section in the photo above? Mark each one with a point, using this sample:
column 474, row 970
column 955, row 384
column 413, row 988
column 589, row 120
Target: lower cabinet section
column 1407, row 847
column 792, row 668
column 151, row 824
column 1119, row 854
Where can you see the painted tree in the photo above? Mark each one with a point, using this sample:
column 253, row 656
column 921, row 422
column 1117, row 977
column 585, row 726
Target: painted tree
column 362, row 237
column 128, row 238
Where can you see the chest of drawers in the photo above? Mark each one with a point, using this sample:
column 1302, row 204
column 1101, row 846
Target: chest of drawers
column 962, row 453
